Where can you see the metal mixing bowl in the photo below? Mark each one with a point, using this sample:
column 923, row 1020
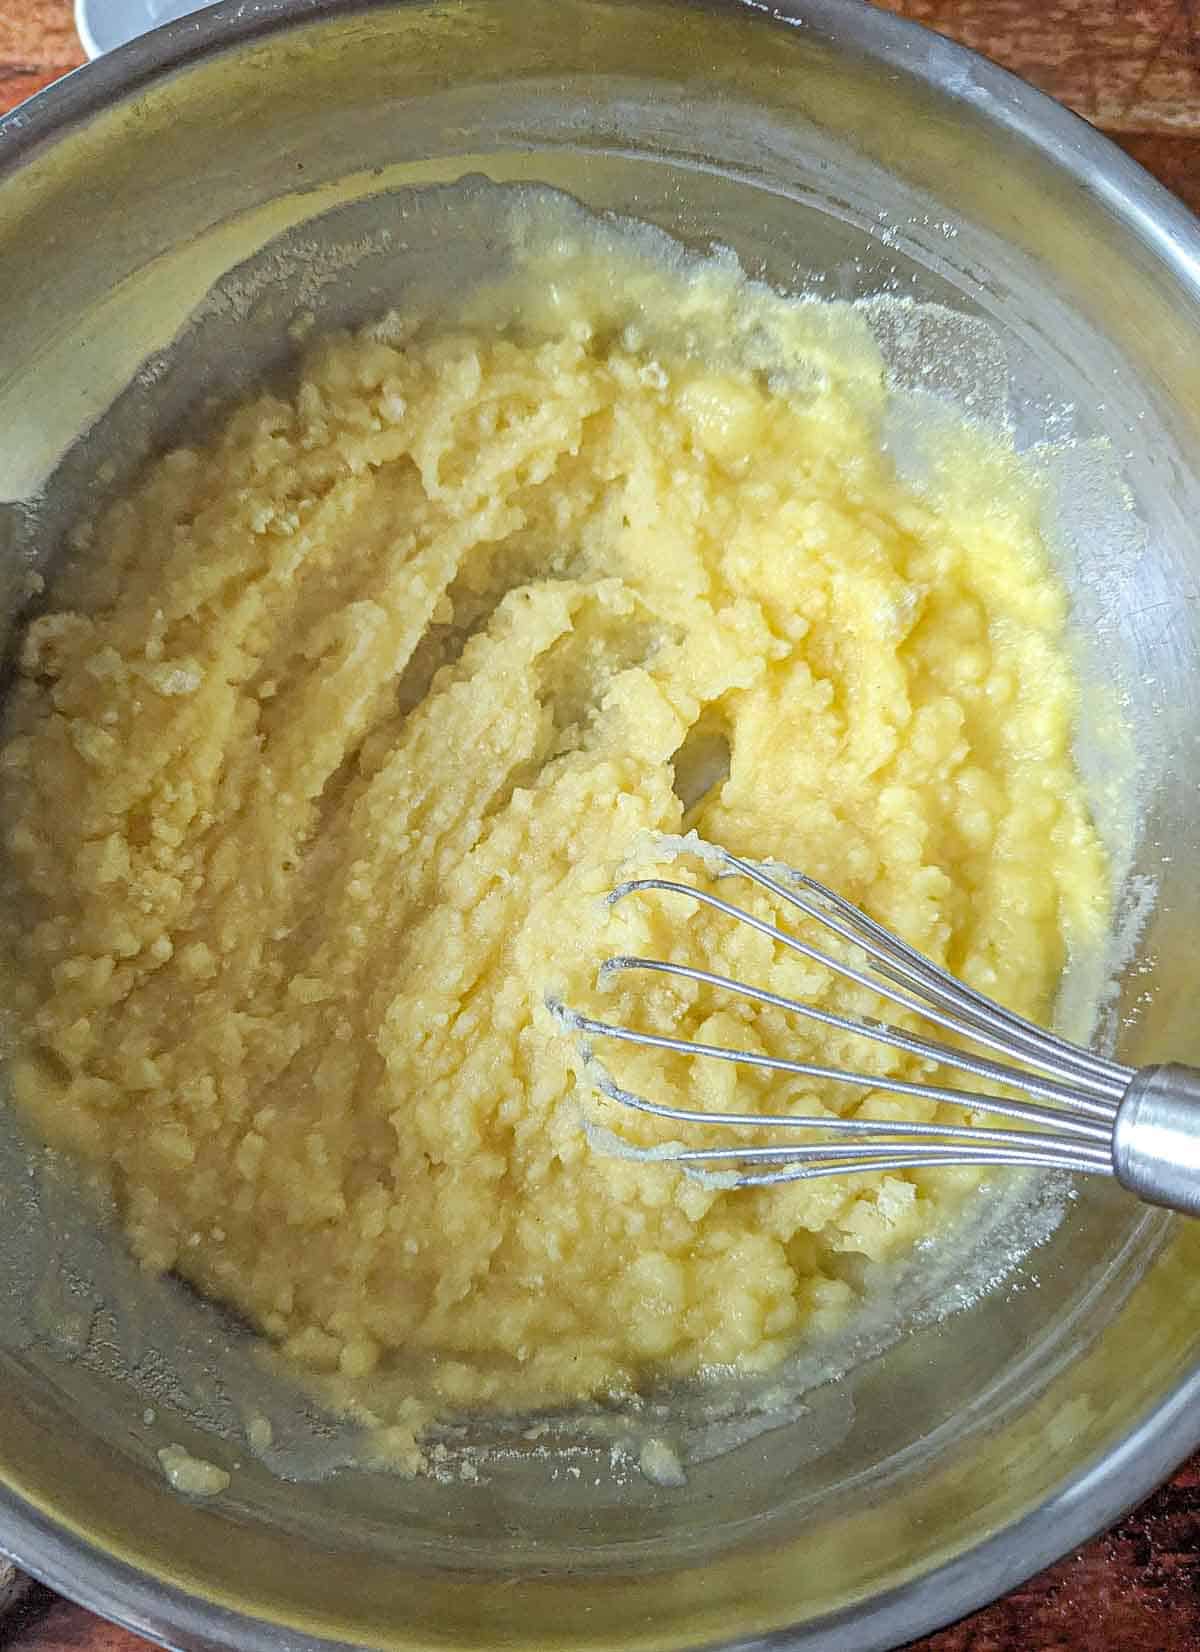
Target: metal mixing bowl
column 836, row 149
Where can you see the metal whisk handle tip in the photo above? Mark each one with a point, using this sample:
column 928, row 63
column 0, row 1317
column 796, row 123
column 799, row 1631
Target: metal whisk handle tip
column 1156, row 1137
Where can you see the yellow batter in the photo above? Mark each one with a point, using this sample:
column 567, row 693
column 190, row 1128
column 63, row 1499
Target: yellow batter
column 338, row 726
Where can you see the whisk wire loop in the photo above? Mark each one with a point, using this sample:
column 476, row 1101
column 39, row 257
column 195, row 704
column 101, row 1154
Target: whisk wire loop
column 1083, row 1129
column 881, row 1032
column 894, row 958
column 1074, row 1101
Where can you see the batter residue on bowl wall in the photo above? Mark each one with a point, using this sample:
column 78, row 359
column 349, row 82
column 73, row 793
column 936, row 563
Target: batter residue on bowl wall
column 337, row 726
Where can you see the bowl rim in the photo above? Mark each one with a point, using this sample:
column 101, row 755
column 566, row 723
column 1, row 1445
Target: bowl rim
column 1100, row 1493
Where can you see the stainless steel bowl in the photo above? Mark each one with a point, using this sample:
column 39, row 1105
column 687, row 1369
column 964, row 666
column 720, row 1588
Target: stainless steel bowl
column 833, row 147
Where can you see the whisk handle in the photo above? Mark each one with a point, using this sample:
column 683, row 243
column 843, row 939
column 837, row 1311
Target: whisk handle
column 1156, row 1137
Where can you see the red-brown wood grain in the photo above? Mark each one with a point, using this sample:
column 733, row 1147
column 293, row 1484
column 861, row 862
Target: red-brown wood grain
column 1131, row 67
column 1127, row 65
column 38, row 43
column 1134, row 69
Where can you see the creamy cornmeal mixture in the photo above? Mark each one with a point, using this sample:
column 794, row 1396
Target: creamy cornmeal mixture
column 338, row 726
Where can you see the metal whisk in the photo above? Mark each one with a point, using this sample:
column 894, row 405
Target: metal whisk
column 1087, row 1114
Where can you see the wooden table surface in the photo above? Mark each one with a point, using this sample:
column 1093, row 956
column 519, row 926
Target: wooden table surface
column 1134, row 70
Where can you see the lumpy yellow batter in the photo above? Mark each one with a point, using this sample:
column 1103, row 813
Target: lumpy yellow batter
column 338, row 726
